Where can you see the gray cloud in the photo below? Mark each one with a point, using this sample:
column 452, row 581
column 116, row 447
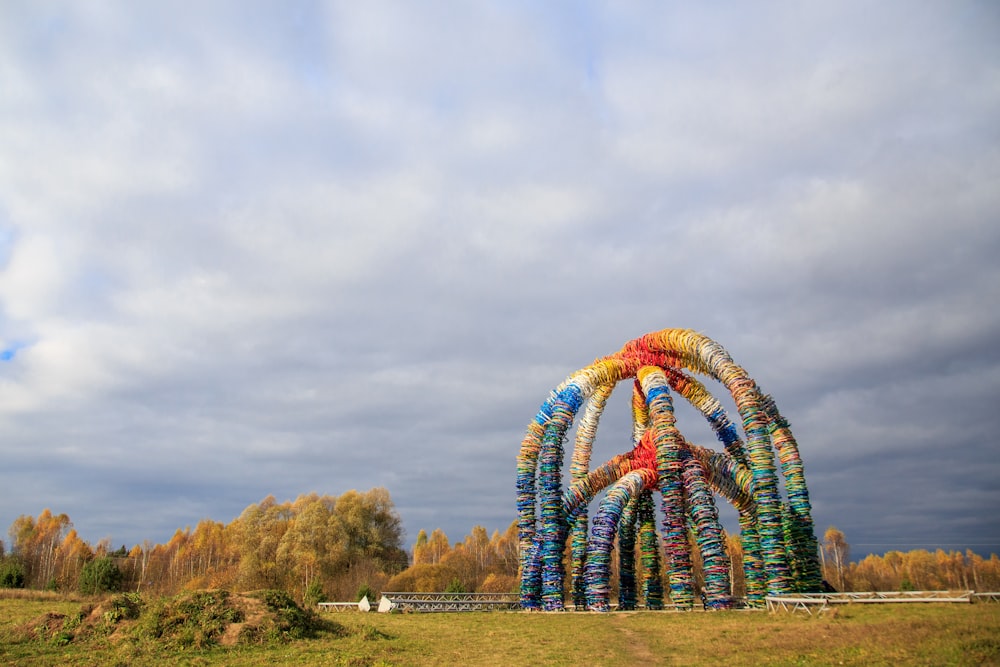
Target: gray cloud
column 258, row 250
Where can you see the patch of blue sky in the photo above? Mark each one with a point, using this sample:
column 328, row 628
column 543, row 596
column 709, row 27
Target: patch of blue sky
column 10, row 351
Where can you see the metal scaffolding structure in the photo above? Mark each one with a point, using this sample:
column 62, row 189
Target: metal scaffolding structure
column 810, row 602
column 429, row 602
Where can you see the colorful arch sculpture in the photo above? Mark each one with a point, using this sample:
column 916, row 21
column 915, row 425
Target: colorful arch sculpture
column 779, row 544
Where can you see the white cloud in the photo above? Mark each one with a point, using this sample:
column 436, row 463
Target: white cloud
column 32, row 280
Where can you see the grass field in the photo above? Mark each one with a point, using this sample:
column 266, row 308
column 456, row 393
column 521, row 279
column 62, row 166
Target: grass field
column 911, row 634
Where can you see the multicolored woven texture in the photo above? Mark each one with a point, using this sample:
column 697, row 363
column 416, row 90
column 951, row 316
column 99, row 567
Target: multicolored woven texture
column 779, row 544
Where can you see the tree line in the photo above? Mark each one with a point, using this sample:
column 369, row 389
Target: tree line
column 317, row 546
column 483, row 564
column 916, row 570
column 337, row 547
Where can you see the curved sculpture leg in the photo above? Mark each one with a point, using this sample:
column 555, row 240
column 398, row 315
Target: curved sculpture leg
column 800, row 535
column 578, row 559
column 668, row 461
column 707, row 533
column 753, row 563
column 553, row 522
column 579, row 469
column 603, row 536
column 649, row 552
column 626, row 555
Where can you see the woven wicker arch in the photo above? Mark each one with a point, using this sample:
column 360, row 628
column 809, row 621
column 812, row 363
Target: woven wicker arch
column 779, row 545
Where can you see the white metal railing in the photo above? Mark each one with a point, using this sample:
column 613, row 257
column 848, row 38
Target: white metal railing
column 422, row 602
column 806, row 601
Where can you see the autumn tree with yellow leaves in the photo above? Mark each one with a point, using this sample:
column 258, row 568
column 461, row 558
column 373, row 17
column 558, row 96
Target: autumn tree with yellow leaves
column 479, row 563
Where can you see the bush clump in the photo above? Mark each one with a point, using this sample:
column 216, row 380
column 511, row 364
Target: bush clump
column 188, row 620
column 314, row 594
column 11, row 573
column 124, row 607
column 284, row 621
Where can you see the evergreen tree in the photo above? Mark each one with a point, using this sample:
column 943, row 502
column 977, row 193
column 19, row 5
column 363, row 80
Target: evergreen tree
column 100, row 575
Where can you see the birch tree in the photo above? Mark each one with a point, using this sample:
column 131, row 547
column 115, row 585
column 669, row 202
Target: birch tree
column 836, row 552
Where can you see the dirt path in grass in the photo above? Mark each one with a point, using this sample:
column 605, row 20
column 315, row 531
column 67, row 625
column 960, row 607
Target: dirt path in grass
column 253, row 612
column 637, row 649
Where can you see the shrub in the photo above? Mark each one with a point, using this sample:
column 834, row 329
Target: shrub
column 366, row 591
column 126, row 606
column 314, row 594
column 289, row 620
column 11, row 573
column 100, row 575
column 190, row 620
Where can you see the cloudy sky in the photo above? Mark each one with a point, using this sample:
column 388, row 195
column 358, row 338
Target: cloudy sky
column 254, row 248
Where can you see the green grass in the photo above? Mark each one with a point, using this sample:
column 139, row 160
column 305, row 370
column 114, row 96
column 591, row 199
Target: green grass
column 911, row 634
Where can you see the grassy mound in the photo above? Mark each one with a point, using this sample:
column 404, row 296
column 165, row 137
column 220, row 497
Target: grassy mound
column 191, row 620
